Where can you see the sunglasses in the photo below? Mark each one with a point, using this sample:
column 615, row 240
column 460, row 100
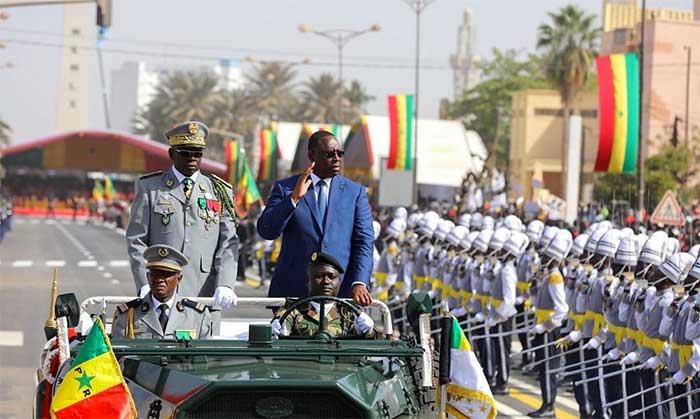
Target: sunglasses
column 332, row 153
column 190, row 153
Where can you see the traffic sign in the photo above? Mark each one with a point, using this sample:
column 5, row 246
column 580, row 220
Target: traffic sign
column 668, row 211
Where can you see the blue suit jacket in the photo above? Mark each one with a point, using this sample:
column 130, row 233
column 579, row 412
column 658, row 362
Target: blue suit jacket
column 347, row 234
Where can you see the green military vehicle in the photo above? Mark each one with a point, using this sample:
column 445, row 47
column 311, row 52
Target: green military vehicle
column 255, row 376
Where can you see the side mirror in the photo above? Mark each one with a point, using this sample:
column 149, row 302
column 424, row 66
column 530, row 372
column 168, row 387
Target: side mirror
column 67, row 306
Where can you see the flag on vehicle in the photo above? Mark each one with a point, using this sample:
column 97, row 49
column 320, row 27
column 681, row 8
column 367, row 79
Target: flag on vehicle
column 463, row 384
column 618, row 99
column 110, row 192
column 269, row 154
column 94, row 386
column 98, row 191
column 400, row 132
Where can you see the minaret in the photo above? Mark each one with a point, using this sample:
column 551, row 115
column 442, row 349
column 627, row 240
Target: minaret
column 462, row 62
column 74, row 72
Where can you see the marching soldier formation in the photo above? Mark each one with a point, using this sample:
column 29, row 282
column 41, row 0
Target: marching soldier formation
column 614, row 313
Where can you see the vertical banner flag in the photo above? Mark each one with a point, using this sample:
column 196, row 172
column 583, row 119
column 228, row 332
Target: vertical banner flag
column 110, row 192
column 468, row 394
column 247, row 191
column 98, row 191
column 94, row 386
column 401, row 132
column 269, row 152
column 233, row 162
column 618, row 116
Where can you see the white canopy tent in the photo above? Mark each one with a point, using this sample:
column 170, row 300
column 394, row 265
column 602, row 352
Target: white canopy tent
column 446, row 150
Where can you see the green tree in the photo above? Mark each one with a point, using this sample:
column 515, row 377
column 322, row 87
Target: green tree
column 5, row 132
column 271, row 87
column 486, row 107
column 356, row 99
column 233, row 113
column 180, row 96
column 570, row 43
column 319, row 100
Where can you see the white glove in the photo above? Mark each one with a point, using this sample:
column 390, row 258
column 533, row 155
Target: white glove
column 519, row 300
column 594, row 343
column 652, row 363
column 491, row 322
column 613, row 355
column 478, row 318
column 225, row 297
column 575, row 336
column 630, row 358
column 363, row 323
column 679, row 377
column 459, row 311
column 538, row 329
column 85, row 324
column 144, row 290
column 276, row 328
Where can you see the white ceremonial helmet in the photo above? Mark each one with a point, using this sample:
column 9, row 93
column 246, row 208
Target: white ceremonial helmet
column 401, row 213
column 481, row 243
column 499, row 238
column 579, row 244
column 677, row 266
column 594, row 238
column 443, row 229
column 672, row 247
column 695, row 250
column 547, row 235
column 468, row 240
column 414, row 219
column 396, row 228
column 464, row 220
column 609, row 242
column 513, row 223
column 516, row 244
column 456, row 235
column 627, row 252
column 560, row 245
column 534, row 231
column 654, row 249
column 428, row 227
column 477, row 221
column 488, row 223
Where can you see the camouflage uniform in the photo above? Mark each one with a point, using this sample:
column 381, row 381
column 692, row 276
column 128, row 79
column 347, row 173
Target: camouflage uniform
column 305, row 321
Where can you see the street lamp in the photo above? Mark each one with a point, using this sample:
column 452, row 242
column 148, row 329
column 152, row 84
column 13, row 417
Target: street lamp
column 340, row 38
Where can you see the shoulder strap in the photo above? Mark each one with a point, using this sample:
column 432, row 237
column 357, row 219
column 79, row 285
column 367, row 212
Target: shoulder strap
column 147, row 175
column 200, row 307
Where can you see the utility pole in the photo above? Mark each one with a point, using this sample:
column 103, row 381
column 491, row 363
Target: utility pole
column 640, row 142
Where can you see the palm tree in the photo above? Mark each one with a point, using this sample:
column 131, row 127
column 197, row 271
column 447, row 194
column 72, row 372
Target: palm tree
column 570, row 44
column 319, row 99
column 356, row 98
column 5, row 132
column 180, row 96
column 271, row 87
column 234, row 112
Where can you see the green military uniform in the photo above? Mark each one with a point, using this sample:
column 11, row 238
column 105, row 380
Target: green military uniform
column 305, row 321
column 196, row 219
column 138, row 319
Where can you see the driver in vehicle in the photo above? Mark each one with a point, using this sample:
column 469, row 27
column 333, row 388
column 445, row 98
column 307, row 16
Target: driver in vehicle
column 323, row 279
column 161, row 313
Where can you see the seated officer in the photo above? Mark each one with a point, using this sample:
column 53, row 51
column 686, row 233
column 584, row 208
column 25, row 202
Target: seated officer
column 323, row 278
column 161, row 314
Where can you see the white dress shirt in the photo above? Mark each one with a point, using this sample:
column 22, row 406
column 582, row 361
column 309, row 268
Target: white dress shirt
column 156, row 305
column 180, row 177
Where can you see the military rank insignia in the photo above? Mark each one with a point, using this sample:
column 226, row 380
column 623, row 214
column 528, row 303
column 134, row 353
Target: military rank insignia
column 165, row 219
column 169, row 183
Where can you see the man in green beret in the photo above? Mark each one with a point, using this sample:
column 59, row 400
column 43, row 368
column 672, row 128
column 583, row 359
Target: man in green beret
column 161, row 313
column 192, row 212
column 323, row 278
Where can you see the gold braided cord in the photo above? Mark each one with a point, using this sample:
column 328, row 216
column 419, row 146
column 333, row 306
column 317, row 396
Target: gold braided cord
column 220, row 190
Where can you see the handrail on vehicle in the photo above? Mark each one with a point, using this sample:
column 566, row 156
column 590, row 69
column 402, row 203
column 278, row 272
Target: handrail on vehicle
column 245, row 301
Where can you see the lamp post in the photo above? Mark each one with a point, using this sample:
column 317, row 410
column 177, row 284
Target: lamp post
column 418, row 6
column 340, row 38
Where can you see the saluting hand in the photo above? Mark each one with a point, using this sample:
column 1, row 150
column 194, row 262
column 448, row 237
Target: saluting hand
column 303, row 183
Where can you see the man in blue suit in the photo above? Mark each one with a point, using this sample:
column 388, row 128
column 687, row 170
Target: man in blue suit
column 320, row 211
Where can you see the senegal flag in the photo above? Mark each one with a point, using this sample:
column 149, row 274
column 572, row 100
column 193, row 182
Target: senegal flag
column 98, row 191
column 94, row 386
column 468, row 392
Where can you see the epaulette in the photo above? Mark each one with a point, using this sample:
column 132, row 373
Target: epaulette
column 123, row 308
column 220, row 180
column 200, row 307
column 147, row 175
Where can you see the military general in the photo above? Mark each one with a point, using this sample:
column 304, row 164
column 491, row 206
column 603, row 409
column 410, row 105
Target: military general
column 161, row 313
column 194, row 213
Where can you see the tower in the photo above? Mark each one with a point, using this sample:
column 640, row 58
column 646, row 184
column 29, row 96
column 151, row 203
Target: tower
column 462, row 62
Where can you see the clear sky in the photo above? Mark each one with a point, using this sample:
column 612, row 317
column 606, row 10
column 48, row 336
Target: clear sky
column 266, row 29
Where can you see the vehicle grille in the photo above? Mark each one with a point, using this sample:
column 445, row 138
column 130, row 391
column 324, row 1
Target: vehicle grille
column 265, row 403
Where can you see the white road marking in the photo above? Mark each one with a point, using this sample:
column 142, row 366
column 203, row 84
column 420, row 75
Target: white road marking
column 100, row 268
column 87, row 263
column 107, row 275
column 35, row 221
column 73, row 239
column 50, row 222
column 22, row 263
column 55, row 263
column 65, row 221
column 118, row 263
column 19, row 221
column 504, row 410
column 115, row 282
column 11, row 338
